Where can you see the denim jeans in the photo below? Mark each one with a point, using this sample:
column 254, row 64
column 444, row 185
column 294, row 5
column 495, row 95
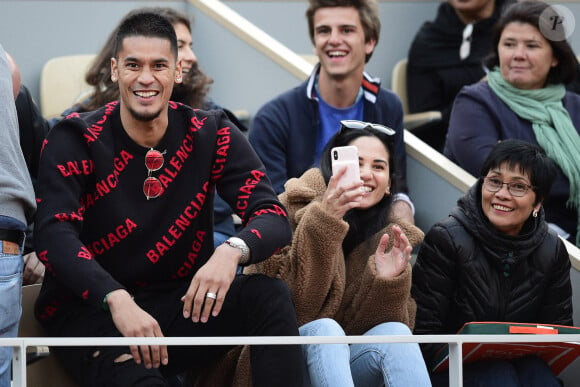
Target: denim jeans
column 388, row 364
column 219, row 238
column 10, row 302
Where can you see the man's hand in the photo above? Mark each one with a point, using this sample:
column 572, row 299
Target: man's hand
column 403, row 211
column 33, row 270
column 212, row 280
column 132, row 321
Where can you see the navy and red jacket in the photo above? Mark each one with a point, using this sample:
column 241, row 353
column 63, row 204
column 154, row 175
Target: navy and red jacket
column 97, row 232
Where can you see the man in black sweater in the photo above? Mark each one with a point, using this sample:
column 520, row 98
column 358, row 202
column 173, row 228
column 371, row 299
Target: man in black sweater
column 125, row 228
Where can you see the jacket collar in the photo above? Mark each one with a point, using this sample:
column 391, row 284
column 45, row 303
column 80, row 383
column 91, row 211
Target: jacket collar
column 371, row 85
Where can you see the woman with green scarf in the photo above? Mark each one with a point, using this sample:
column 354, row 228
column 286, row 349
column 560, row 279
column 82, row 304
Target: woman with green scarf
column 524, row 98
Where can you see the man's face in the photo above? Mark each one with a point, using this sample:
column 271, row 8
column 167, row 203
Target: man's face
column 145, row 69
column 339, row 41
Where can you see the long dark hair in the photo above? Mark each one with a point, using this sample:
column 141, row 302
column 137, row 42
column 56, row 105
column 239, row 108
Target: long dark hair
column 363, row 224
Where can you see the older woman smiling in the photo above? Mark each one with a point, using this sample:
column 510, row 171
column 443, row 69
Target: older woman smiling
column 495, row 259
column 524, row 98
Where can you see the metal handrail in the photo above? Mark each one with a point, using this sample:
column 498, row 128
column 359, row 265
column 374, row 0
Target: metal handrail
column 19, row 344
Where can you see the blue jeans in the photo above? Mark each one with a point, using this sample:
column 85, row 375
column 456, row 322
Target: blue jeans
column 219, row 238
column 11, row 266
column 388, row 364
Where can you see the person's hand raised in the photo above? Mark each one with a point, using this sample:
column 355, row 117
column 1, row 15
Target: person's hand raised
column 337, row 200
column 392, row 263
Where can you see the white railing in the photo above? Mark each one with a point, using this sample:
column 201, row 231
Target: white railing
column 455, row 342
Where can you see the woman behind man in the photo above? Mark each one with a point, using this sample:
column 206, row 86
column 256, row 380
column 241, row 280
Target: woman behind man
column 495, row 259
column 348, row 266
column 524, row 97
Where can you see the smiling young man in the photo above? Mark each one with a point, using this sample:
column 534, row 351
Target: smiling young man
column 125, row 229
column 290, row 131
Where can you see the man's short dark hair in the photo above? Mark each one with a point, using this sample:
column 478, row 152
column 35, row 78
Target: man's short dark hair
column 148, row 24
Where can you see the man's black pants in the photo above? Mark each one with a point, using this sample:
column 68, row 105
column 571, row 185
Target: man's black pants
column 255, row 305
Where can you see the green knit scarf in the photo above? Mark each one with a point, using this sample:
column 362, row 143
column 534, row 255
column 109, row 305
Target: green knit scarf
column 552, row 126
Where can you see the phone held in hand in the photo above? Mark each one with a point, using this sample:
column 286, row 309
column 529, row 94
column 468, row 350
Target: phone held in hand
column 346, row 156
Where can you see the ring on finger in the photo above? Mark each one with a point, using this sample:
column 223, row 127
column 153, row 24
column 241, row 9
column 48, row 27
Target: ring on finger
column 211, row 295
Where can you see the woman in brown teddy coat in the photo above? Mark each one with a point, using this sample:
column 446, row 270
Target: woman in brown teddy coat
column 348, row 269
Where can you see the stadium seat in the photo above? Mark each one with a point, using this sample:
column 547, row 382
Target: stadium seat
column 399, row 87
column 62, row 83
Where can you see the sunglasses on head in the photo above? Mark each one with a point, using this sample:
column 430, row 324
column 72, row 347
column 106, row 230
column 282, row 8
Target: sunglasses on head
column 355, row 124
column 152, row 187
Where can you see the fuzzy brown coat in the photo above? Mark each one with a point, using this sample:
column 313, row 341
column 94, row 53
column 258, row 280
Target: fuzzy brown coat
column 325, row 283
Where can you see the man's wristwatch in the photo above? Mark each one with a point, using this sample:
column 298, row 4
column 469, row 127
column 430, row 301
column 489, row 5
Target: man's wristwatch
column 242, row 246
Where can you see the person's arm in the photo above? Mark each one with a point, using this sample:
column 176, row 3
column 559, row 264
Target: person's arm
column 402, row 206
column 243, row 184
column 132, row 321
column 473, row 131
column 268, row 136
column 433, row 285
column 33, row 129
column 17, row 199
column 58, row 227
column 59, row 221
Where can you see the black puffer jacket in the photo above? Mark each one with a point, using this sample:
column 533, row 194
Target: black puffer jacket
column 467, row 271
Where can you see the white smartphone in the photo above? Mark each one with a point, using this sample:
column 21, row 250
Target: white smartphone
column 346, row 156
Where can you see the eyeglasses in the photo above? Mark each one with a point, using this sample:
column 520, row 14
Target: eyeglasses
column 465, row 47
column 355, row 124
column 152, row 187
column 518, row 189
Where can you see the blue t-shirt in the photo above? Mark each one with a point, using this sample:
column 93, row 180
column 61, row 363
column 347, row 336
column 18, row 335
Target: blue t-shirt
column 330, row 118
